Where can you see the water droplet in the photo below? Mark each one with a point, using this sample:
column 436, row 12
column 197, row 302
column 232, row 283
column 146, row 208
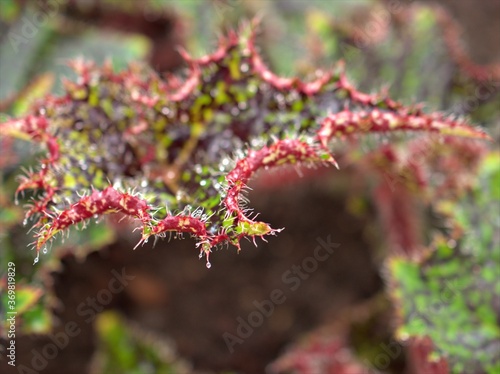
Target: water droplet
column 200, row 255
column 198, row 168
column 203, row 183
column 25, row 222
column 44, row 250
column 209, row 265
column 36, row 259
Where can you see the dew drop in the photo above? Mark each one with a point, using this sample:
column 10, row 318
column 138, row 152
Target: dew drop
column 404, row 336
column 209, row 265
column 36, row 260
column 25, row 222
column 44, row 250
column 200, row 255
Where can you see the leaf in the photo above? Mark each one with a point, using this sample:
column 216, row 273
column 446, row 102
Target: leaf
column 177, row 154
column 31, row 315
column 451, row 294
column 126, row 348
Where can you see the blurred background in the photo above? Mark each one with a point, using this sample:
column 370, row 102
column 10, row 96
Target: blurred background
column 173, row 312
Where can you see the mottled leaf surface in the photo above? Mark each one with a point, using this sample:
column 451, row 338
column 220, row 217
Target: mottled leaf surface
column 452, row 294
column 177, row 153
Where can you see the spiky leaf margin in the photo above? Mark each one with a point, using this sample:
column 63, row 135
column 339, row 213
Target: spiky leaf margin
column 177, row 154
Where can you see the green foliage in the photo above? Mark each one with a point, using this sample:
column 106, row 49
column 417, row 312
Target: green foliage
column 32, row 316
column 452, row 293
column 127, row 349
column 177, row 155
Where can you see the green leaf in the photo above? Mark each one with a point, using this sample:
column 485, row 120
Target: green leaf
column 451, row 295
column 126, row 349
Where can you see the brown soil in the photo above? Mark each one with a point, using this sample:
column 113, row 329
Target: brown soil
column 176, row 296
